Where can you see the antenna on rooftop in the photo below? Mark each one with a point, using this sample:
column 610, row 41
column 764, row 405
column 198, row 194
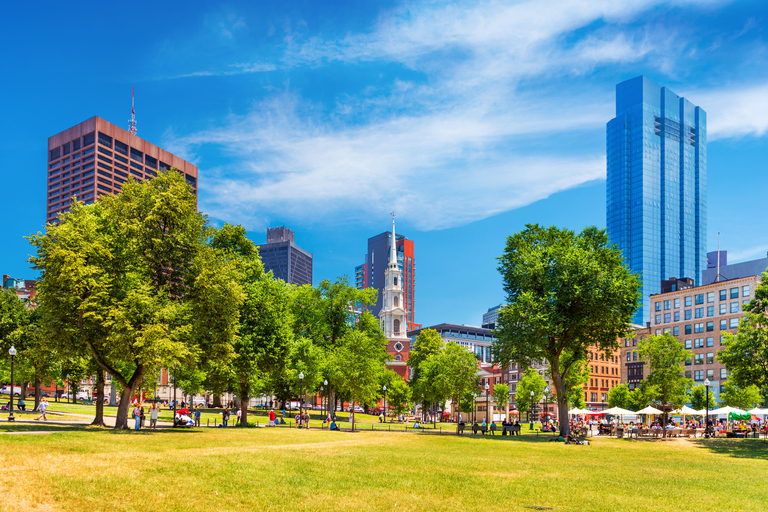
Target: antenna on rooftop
column 132, row 122
column 717, row 277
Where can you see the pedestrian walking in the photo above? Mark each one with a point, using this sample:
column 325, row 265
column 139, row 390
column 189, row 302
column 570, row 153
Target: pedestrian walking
column 136, row 417
column 197, row 417
column 225, row 416
column 239, row 414
column 153, row 413
column 41, row 408
column 271, row 417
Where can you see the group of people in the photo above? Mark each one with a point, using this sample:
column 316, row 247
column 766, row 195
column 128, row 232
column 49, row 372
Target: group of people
column 139, row 416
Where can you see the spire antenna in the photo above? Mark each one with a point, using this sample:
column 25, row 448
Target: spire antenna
column 132, row 122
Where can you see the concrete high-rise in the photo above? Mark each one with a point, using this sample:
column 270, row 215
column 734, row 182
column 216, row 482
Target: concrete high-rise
column 656, row 191
column 94, row 158
column 371, row 274
column 284, row 258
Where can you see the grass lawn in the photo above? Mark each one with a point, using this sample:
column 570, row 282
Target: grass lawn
column 289, row 469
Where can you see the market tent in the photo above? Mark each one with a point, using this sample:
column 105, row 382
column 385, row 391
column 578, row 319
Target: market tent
column 727, row 410
column 687, row 411
column 618, row 411
column 758, row 411
column 596, row 413
column 578, row 411
column 649, row 410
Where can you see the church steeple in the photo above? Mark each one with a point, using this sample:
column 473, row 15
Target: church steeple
column 393, row 316
column 393, row 248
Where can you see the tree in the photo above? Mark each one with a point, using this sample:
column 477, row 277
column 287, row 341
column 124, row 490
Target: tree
column 565, row 294
column 455, row 370
column 618, row 396
column 358, row 361
column 733, row 395
column 427, row 343
column 399, row 395
column 640, row 398
column 698, row 397
column 501, row 397
column 665, row 354
column 746, row 352
column 122, row 280
column 575, row 381
column 531, row 381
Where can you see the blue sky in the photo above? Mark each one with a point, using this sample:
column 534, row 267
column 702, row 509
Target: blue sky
column 470, row 120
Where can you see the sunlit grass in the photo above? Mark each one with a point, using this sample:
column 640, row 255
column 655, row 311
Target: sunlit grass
column 290, row 469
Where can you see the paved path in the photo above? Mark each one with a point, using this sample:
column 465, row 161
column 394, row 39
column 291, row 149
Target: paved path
column 68, row 419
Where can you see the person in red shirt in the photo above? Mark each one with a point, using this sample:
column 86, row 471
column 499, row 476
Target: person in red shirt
column 271, row 417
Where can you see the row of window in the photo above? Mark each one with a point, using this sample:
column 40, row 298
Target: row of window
column 73, row 145
column 731, row 323
column 698, row 375
column 723, row 309
column 699, row 299
column 604, row 383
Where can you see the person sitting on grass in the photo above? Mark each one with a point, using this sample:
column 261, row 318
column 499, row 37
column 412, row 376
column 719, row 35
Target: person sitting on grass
column 416, row 424
column 334, row 426
column 22, row 405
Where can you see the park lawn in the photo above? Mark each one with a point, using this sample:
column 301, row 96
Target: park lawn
column 290, row 469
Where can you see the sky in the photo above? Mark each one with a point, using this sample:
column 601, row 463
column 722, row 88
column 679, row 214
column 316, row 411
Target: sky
column 469, row 120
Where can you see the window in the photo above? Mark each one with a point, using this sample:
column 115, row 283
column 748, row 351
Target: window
column 658, row 332
column 629, row 356
column 735, row 293
column 76, row 144
column 698, row 343
column 658, row 306
column 688, row 329
column 634, row 356
column 118, row 157
column 677, row 316
column 700, row 298
column 698, row 375
column 734, row 307
column 667, row 304
column 688, row 301
column 137, row 155
column 667, row 317
column 710, row 374
column 626, row 343
column 723, row 308
column 711, row 341
column 723, row 294
column 722, row 338
column 121, row 166
column 397, row 326
column 710, row 310
column 687, row 361
column 710, row 358
column 688, row 344
column 734, row 323
column 137, row 166
column 55, row 153
column 667, row 330
column 723, row 324
column 687, row 374
column 105, row 140
column 677, row 303
column 150, row 162
column 121, row 147
column 710, row 326
column 88, row 139
column 137, row 173
column 676, row 330
column 745, row 304
column 711, row 297
column 723, row 374
column 699, row 312
column 698, row 359
column 65, row 149
column 164, row 166
column 745, row 291
column 191, row 180
column 594, row 397
column 658, row 319
column 634, row 342
column 698, row 327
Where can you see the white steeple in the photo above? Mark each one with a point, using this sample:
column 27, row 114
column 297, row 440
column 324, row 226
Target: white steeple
column 393, row 316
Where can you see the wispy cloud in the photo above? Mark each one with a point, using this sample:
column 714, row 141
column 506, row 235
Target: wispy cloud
column 735, row 111
column 482, row 130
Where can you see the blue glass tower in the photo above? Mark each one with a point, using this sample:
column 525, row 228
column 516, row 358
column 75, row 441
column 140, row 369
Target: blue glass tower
column 657, row 185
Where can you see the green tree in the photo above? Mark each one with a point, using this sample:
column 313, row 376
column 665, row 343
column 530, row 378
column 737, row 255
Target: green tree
column 575, row 381
column 428, row 343
column 565, row 293
column 501, row 397
column 358, row 361
column 698, row 397
column 745, row 398
column 746, row 352
column 665, row 354
column 618, row 396
column 530, row 382
column 640, row 398
column 122, row 278
column 399, row 396
column 455, row 372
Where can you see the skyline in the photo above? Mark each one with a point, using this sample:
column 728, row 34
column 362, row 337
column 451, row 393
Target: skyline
column 328, row 120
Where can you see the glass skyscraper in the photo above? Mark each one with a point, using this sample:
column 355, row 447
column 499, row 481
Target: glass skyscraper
column 657, row 185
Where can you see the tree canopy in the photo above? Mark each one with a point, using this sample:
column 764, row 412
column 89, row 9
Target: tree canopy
column 665, row 354
column 565, row 293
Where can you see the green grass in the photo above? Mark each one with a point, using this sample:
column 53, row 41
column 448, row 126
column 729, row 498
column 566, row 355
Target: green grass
column 298, row 470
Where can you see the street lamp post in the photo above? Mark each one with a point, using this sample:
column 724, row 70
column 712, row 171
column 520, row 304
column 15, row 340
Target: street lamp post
column 546, row 402
column 487, row 387
column 327, row 398
column 385, row 403
column 706, row 424
column 531, row 412
column 301, row 397
column 12, row 353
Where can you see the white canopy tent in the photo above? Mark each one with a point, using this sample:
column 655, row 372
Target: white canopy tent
column 727, row 410
column 758, row 411
column 649, row 410
column 579, row 412
column 618, row 411
column 685, row 410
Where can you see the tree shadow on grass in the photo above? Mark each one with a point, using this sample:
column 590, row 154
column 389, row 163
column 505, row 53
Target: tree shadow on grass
column 740, row 448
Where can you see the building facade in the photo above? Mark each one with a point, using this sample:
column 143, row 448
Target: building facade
column 699, row 317
column 605, row 374
column 284, row 258
column 25, row 288
column 656, row 190
column 491, row 316
column 393, row 315
column 94, row 158
column 732, row 271
column 371, row 273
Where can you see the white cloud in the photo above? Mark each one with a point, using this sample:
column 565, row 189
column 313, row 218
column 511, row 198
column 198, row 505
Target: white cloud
column 735, row 111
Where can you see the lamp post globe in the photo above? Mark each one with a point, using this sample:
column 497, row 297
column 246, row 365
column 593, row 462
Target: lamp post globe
column 545, row 395
column 12, row 353
column 706, row 421
column 531, row 412
column 487, row 387
column 328, row 397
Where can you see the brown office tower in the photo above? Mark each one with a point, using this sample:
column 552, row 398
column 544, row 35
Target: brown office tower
column 94, row 159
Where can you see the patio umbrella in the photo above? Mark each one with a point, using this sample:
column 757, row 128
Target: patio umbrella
column 758, row 411
column 727, row 410
column 578, row 411
column 686, row 411
column 649, row 410
column 618, row 411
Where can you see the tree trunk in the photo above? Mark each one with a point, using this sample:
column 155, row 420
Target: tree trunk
column 38, row 391
column 244, row 406
column 99, row 419
column 24, row 387
column 121, row 421
column 562, row 400
column 217, row 400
